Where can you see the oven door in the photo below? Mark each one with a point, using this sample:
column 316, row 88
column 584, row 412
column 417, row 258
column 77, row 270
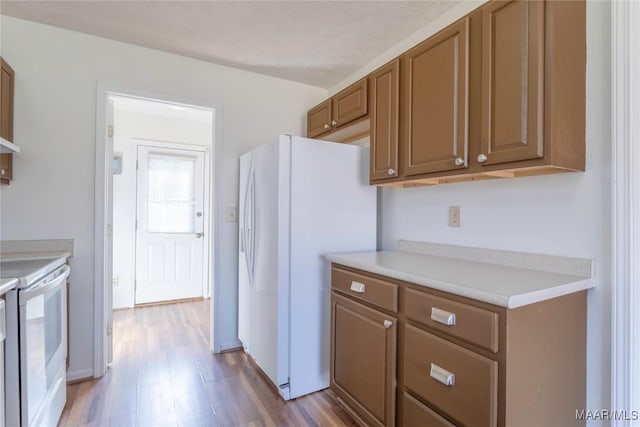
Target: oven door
column 43, row 346
column 2, row 338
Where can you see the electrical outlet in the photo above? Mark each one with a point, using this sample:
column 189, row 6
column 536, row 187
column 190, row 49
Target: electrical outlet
column 454, row 216
column 232, row 214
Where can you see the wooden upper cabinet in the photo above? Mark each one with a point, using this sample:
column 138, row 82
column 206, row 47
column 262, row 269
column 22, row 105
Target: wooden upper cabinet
column 342, row 116
column 385, row 88
column 435, row 76
column 319, row 119
column 6, row 101
column 6, row 168
column 6, row 119
column 512, row 110
column 363, row 360
column 349, row 104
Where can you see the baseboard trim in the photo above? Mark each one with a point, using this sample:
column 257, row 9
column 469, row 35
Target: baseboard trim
column 79, row 376
column 230, row 346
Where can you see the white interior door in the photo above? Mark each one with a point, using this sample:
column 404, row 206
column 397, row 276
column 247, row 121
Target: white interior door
column 170, row 222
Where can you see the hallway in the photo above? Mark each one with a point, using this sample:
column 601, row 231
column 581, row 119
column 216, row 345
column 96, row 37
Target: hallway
column 164, row 375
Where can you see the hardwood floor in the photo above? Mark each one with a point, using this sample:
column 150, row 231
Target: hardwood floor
column 164, row 375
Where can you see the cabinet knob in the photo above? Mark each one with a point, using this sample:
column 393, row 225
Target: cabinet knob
column 482, row 158
column 391, row 171
column 199, row 235
column 3, row 171
column 387, row 324
column 459, row 161
column 333, row 123
column 326, row 126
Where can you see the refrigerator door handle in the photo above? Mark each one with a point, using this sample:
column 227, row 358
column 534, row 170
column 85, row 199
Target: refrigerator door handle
column 253, row 224
column 245, row 231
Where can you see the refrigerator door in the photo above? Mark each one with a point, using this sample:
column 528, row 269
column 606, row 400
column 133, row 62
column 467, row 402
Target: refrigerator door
column 333, row 209
column 244, row 286
column 269, row 321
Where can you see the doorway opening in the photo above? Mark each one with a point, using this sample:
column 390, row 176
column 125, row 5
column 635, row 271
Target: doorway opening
column 161, row 185
column 155, row 237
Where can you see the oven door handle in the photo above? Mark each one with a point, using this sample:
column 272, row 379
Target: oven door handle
column 45, row 286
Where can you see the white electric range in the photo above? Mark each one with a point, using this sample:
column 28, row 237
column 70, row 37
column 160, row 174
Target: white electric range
column 36, row 341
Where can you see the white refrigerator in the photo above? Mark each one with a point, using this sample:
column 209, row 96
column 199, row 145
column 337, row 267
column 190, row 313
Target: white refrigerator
column 300, row 199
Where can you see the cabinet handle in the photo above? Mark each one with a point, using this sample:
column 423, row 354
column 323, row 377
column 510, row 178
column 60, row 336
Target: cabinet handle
column 326, row 126
column 387, row 324
column 357, row 287
column 333, row 123
column 391, row 172
column 444, row 317
column 459, row 161
column 482, row 158
column 442, row 375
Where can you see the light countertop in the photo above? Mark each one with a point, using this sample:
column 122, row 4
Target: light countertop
column 27, row 256
column 7, row 284
column 513, row 280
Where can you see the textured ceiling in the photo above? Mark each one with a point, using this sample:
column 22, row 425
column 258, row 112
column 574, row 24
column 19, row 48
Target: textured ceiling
column 314, row 42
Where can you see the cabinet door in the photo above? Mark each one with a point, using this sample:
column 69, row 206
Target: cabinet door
column 6, row 102
column 385, row 85
column 512, row 81
column 350, row 103
column 435, row 102
column 319, row 119
column 363, row 360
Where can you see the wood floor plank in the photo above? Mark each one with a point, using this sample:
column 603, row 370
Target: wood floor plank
column 163, row 374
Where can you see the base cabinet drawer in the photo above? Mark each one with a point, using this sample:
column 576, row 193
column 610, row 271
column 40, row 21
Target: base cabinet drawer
column 453, row 379
column 418, row 415
column 374, row 291
column 472, row 324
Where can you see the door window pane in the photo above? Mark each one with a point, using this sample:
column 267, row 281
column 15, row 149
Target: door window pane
column 170, row 194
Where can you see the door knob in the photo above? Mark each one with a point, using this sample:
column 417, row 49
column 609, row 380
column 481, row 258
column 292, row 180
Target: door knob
column 199, row 235
column 482, row 158
column 459, row 161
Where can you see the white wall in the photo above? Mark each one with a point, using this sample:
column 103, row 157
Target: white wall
column 566, row 214
column 129, row 126
column 52, row 195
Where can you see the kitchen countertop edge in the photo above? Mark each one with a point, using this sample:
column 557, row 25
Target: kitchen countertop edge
column 27, row 256
column 7, row 284
column 506, row 301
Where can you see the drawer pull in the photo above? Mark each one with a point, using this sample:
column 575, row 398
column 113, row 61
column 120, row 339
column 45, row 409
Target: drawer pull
column 442, row 375
column 357, row 287
column 444, row 317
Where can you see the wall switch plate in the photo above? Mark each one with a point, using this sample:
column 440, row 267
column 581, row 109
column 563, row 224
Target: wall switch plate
column 232, row 214
column 454, row 216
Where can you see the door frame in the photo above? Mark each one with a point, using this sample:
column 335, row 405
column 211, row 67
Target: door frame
column 103, row 206
column 625, row 214
column 141, row 142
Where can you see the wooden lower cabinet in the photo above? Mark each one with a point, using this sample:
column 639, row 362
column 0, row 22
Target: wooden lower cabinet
column 363, row 360
column 488, row 367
